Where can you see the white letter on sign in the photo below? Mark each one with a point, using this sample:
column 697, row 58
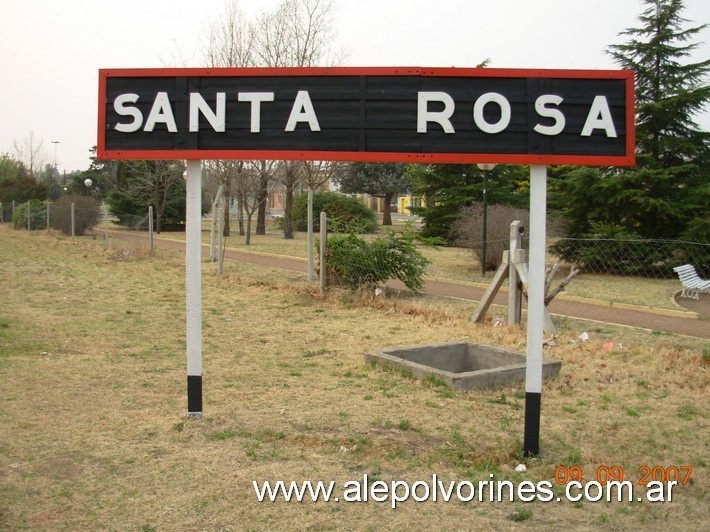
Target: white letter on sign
column 199, row 105
column 161, row 112
column 546, row 112
column 302, row 111
column 491, row 97
column 121, row 109
column 256, row 98
column 440, row 117
column 599, row 117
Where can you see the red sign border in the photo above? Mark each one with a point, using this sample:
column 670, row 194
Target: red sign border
column 629, row 159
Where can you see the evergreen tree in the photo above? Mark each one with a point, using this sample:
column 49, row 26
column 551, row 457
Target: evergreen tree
column 140, row 184
column 667, row 195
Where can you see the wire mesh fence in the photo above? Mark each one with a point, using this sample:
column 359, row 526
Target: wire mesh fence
column 78, row 216
column 645, row 258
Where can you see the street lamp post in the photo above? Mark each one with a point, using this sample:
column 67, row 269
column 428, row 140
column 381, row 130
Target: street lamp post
column 55, row 142
column 485, row 167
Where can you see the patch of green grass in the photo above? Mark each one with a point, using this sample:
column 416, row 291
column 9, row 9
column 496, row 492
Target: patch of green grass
column 404, row 424
column 521, row 514
column 434, row 381
column 574, row 457
column 315, row 352
column 222, row 435
column 688, row 412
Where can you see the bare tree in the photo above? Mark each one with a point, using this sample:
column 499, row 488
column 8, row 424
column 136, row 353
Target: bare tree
column 296, row 33
column 250, row 189
column 229, row 43
column 30, row 152
column 228, row 175
column 230, row 40
column 289, row 176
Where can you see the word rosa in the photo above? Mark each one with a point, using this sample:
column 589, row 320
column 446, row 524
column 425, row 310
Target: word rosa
column 546, row 106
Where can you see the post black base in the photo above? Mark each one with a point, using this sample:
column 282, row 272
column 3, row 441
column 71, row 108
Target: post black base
column 531, row 440
column 194, row 395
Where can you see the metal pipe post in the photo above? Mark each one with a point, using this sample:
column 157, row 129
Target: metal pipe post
column 536, row 309
column 193, row 283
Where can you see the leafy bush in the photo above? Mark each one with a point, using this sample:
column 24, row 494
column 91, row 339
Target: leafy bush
column 345, row 213
column 469, row 230
column 354, row 263
column 86, row 214
column 38, row 215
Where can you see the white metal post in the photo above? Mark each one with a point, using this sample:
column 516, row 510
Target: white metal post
column 536, row 309
column 73, row 221
column 193, row 282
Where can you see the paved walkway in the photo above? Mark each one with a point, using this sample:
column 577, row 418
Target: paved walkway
column 633, row 317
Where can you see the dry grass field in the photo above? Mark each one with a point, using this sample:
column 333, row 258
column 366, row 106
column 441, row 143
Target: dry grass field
column 94, row 436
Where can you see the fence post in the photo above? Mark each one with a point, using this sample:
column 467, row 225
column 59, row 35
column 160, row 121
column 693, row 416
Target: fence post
column 105, row 225
column 323, row 245
column 213, row 225
column 29, row 217
column 513, row 281
column 150, row 228
column 73, row 222
column 220, row 251
column 309, row 217
column 47, row 216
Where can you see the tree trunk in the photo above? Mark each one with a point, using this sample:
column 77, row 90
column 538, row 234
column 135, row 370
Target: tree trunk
column 240, row 214
column 248, row 235
column 387, row 213
column 225, row 228
column 288, row 211
column 262, row 198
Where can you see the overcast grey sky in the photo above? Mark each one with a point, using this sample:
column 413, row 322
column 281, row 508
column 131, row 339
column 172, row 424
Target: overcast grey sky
column 51, row 50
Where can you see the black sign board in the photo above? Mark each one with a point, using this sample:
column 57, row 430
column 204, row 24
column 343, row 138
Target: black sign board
column 369, row 114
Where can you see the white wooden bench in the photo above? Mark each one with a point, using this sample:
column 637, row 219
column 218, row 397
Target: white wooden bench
column 693, row 285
